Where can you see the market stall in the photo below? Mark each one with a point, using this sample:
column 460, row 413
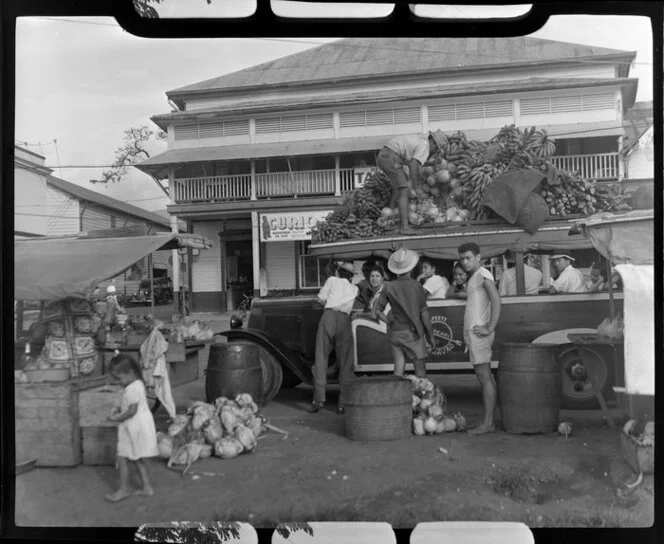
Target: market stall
column 60, row 273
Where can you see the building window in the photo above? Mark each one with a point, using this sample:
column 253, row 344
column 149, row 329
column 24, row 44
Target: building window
column 313, row 271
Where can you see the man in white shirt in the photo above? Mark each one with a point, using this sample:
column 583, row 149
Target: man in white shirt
column 532, row 278
column 479, row 323
column 411, row 150
column 436, row 286
column 569, row 280
column 334, row 333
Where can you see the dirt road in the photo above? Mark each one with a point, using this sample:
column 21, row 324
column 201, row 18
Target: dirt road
column 316, row 474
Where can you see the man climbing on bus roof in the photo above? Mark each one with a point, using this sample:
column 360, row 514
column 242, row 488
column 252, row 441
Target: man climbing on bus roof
column 412, row 151
column 569, row 280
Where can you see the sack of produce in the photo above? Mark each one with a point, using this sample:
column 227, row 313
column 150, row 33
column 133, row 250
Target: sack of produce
column 202, row 412
column 213, row 430
column 229, row 418
column 244, row 400
column 179, row 424
column 246, row 437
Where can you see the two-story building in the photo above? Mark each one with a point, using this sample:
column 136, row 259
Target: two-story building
column 256, row 156
column 45, row 205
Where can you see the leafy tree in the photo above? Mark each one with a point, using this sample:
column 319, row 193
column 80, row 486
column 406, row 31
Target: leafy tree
column 131, row 152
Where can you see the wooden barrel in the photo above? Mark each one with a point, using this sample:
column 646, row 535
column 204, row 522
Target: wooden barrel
column 529, row 388
column 378, row 409
column 234, row 368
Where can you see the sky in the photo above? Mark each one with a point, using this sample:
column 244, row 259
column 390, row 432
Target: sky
column 83, row 81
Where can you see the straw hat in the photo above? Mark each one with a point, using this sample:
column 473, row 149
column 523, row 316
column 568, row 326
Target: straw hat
column 402, row 261
column 562, row 256
column 110, row 289
column 346, row 266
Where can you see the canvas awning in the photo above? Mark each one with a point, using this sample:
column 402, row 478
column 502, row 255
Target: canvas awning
column 54, row 268
column 443, row 243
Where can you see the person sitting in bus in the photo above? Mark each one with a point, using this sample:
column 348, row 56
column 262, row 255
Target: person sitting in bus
column 365, row 290
column 436, row 286
column 459, row 282
column 376, row 280
column 569, row 280
column 597, row 281
column 532, row 277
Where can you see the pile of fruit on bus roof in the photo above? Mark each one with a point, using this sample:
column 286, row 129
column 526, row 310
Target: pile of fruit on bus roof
column 454, row 179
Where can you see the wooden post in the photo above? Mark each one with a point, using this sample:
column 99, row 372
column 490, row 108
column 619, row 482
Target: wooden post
column 612, row 304
column 255, row 250
column 520, row 276
column 151, row 275
column 337, row 176
column 174, row 230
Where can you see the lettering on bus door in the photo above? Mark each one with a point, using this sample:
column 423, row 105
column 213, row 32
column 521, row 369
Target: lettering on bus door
column 448, row 339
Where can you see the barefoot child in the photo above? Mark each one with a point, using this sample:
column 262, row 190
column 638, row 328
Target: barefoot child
column 409, row 321
column 137, row 436
column 479, row 324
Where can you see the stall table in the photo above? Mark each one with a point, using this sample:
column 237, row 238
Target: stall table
column 584, row 343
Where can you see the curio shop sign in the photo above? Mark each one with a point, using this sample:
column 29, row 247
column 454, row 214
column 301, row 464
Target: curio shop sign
column 281, row 227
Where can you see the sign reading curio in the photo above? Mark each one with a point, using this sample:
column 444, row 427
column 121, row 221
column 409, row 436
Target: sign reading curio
column 281, row 227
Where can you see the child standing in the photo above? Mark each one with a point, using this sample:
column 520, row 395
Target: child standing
column 409, row 319
column 137, row 435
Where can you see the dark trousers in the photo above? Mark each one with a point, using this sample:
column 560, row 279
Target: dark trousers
column 334, row 333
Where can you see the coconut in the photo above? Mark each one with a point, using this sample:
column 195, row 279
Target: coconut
column 418, row 427
column 229, row 419
column 440, row 427
column 460, row 422
column 443, row 176
column 427, row 171
column 228, row 447
column 435, row 191
column 449, row 424
column 427, row 189
column 165, row 445
column 213, row 430
column 179, row 424
column 431, row 180
column 443, row 164
column 436, row 411
column 430, row 425
column 425, row 404
column 649, row 429
column 386, row 212
column 256, row 426
column 246, row 437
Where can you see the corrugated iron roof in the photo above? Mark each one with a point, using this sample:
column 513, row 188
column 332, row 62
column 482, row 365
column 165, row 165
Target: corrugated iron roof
column 159, row 164
column 637, row 121
column 357, row 58
column 437, row 91
column 103, row 200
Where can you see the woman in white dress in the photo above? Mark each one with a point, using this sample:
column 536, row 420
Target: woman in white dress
column 137, row 435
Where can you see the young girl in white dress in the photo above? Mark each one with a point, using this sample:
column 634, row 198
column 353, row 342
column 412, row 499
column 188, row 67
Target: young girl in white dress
column 137, row 435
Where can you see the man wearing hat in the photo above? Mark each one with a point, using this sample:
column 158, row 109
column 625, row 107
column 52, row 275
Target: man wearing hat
column 335, row 333
column 411, row 150
column 532, row 277
column 409, row 320
column 569, row 280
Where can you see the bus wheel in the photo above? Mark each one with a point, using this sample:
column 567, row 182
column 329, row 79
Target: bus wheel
column 577, row 390
column 290, row 379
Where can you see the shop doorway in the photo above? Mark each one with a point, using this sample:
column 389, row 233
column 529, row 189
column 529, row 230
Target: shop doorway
column 239, row 272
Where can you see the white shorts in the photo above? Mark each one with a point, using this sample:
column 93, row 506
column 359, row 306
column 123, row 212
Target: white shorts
column 479, row 347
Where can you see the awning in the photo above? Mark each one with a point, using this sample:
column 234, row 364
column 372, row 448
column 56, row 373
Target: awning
column 158, row 166
column 623, row 238
column 54, row 268
column 443, row 242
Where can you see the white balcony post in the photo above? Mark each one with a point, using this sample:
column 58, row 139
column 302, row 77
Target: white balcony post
column 424, row 118
column 253, row 179
column 337, row 176
column 620, row 159
column 336, row 124
column 256, row 250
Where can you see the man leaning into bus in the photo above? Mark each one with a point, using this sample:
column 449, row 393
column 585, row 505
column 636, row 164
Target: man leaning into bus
column 569, row 280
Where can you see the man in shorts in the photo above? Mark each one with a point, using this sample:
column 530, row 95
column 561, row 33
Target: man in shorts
column 409, row 321
column 479, row 324
column 411, row 151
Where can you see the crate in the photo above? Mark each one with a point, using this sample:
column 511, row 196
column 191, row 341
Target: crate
column 99, row 445
column 47, row 425
column 95, row 405
column 640, row 458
